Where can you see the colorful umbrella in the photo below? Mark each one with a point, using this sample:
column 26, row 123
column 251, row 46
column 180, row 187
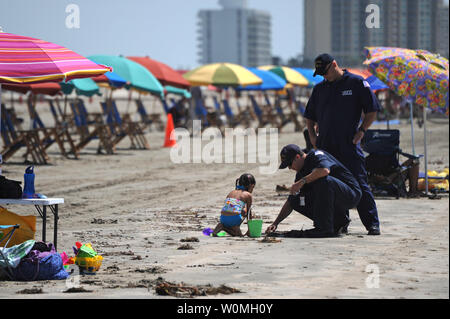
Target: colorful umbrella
column 271, row 81
column 418, row 75
column 86, row 87
column 110, row 79
column 137, row 76
column 221, row 74
column 29, row 60
column 164, row 73
column 288, row 74
column 375, row 83
column 309, row 75
column 415, row 74
column 170, row 89
column 49, row 88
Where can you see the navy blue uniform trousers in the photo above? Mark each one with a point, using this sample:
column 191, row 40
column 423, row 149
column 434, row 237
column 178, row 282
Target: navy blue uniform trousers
column 367, row 209
column 327, row 202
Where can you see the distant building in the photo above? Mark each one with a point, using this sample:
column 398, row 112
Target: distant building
column 339, row 27
column 234, row 34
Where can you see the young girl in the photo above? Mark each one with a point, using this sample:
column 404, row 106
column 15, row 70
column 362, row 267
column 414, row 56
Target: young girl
column 237, row 206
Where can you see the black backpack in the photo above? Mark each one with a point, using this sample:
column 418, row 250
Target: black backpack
column 10, row 188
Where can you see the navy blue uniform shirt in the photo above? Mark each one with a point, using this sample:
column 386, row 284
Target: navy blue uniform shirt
column 322, row 159
column 337, row 108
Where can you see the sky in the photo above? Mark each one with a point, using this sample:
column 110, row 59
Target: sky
column 165, row 30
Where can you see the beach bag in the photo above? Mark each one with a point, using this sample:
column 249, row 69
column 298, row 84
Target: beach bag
column 26, row 230
column 10, row 188
column 41, row 263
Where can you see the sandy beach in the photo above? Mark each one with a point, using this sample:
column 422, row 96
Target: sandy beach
column 139, row 210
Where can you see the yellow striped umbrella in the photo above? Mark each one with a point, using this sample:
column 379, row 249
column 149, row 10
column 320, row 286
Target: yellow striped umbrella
column 286, row 73
column 221, row 74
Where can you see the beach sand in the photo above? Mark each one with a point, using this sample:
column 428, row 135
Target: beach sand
column 137, row 206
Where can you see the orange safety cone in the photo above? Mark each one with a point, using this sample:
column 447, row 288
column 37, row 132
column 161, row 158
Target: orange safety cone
column 168, row 142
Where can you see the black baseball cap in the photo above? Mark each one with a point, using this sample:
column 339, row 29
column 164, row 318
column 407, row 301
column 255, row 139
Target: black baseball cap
column 321, row 63
column 288, row 154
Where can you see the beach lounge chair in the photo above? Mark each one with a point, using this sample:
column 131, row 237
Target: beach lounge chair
column 148, row 119
column 262, row 116
column 49, row 135
column 386, row 176
column 120, row 128
column 14, row 140
column 89, row 132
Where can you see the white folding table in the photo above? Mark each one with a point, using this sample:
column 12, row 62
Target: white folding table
column 41, row 205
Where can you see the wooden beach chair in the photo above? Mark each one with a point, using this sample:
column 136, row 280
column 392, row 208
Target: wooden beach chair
column 14, row 140
column 264, row 115
column 119, row 128
column 149, row 119
column 87, row 133
column 49, row 135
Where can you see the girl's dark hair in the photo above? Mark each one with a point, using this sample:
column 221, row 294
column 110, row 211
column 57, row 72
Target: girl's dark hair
column 245, row 181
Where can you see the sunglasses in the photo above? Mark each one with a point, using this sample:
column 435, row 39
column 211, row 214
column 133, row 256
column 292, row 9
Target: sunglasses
column 327, row 68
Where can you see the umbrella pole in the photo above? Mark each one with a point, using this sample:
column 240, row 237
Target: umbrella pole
column 425, row 148
column 65, row 108
column 1, row 157
column 411, row 118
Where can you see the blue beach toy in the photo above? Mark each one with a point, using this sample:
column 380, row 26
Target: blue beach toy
column 28, row 189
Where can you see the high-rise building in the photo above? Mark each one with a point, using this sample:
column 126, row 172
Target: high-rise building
column 340, row 27
column 234, row 34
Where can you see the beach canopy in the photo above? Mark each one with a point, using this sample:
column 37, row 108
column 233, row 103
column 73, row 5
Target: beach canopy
column 47, row 88
column 271, row 81
column 137, row 76
column 28, row 60
column 376, row 84
column 110, row 79
column 177, row 91
column 309, row 75
column 221, row 75
column 86, row 87
column 164, row 73
column 288, row 74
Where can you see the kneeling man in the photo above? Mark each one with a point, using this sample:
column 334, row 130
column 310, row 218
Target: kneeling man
column 324, row 191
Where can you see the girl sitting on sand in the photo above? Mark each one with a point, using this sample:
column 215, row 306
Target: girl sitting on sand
column 234, row 210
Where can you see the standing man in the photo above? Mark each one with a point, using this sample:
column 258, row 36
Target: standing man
column 324, row 190
column 336, row 106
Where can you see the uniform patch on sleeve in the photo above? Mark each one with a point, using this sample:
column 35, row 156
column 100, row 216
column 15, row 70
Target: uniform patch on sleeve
column 366, row 84
column 318, row 153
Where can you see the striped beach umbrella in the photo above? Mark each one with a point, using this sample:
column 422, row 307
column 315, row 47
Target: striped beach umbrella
column 221, row 74
column 28, row 60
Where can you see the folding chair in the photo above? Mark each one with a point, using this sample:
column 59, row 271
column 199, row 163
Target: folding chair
column 120, row 128
column 49, row 135
column 262, row 117
column 89, row 132
column 148, row 119
column 386, row 176
column 5, row 265
column 14, row 140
